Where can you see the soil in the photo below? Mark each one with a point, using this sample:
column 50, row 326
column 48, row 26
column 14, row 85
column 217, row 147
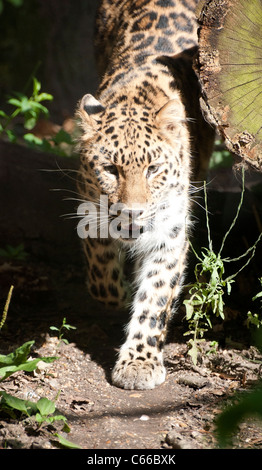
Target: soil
column 178, row 414
column 49, row 285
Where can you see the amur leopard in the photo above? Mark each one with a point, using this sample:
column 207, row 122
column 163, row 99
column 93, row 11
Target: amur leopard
column 143, row 137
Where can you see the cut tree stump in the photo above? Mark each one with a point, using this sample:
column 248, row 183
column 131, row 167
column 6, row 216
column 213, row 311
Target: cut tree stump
column 230, row 72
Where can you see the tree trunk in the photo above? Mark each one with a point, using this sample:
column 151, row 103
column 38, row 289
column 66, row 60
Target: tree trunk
column 230, row 72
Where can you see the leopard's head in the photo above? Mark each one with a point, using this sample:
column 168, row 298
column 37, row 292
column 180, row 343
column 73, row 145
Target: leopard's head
column 135, row 158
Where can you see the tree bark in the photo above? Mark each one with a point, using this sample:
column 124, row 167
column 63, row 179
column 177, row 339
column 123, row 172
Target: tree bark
column 230, row 71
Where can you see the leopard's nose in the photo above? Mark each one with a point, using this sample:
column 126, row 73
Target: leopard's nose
column 132, row 213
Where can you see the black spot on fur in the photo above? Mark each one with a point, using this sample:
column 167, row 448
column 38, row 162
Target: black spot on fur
column 152, row 341
column 159, row 284
column 142, row 296
column 94, row 290
column 174, row 280
column 162, row 320
column 113, row 290
column 153, row 321
column 102, row 291
column 161, row 301
column 165, row 3
column 162, row 22
column 115, row 274
column 152, row 273
column 110, row 130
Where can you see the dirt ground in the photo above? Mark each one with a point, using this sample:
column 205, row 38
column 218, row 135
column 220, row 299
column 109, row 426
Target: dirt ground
column 178, row 414
column 49, row 285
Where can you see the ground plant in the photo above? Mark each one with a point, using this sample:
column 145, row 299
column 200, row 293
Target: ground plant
column 61, row 330
column 206, row 294
column 30, row 109
column 40, row 413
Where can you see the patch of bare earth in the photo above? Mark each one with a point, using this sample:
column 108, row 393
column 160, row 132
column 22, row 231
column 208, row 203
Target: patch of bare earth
column 177, row 415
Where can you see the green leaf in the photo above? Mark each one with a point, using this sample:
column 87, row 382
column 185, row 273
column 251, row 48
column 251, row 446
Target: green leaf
column 62, row 137
column 3, row 114
column 24, row 406
column 64, row 442
column 45, row 406
column 18, row 360
column 15, row 102
column 11, row 135
column 257, row 296
column 193, row 352
column 45, row 96
column 36, row 86
column 30, row 122
column 32, row 139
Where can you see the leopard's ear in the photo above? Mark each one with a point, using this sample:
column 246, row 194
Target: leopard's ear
column 88, row 112
column 170, row 118
column 91, row 105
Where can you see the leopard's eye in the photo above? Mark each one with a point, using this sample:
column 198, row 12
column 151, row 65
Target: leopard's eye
column 152, row 169
column 112, row 169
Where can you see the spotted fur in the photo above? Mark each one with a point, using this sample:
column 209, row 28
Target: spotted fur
column 143, row 136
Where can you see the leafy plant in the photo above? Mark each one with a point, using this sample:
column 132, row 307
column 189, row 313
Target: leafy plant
column 30, row 108
column 19, row 360
column 207, row 292
column 42, row 412
column 60, row 331
column 60, row 144
column 14, row 252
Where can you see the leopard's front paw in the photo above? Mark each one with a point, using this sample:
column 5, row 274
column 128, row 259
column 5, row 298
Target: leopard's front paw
column 138, row 373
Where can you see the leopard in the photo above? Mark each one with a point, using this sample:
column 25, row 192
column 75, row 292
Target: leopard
column 144, row 146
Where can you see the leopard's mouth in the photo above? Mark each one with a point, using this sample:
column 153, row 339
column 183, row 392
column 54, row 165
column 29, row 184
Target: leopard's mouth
column 130, row 232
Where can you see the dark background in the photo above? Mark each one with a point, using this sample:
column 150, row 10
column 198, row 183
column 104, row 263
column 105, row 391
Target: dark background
column 52, row 40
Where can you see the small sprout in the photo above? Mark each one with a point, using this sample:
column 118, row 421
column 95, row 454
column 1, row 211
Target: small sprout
column 60, row 331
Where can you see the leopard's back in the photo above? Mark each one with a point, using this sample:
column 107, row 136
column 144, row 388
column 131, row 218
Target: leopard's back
column 128, row 31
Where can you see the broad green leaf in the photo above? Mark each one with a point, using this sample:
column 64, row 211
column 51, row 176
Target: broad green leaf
column 18, row 356
column 45, row 406
column 18, row 360
column 25, row 406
